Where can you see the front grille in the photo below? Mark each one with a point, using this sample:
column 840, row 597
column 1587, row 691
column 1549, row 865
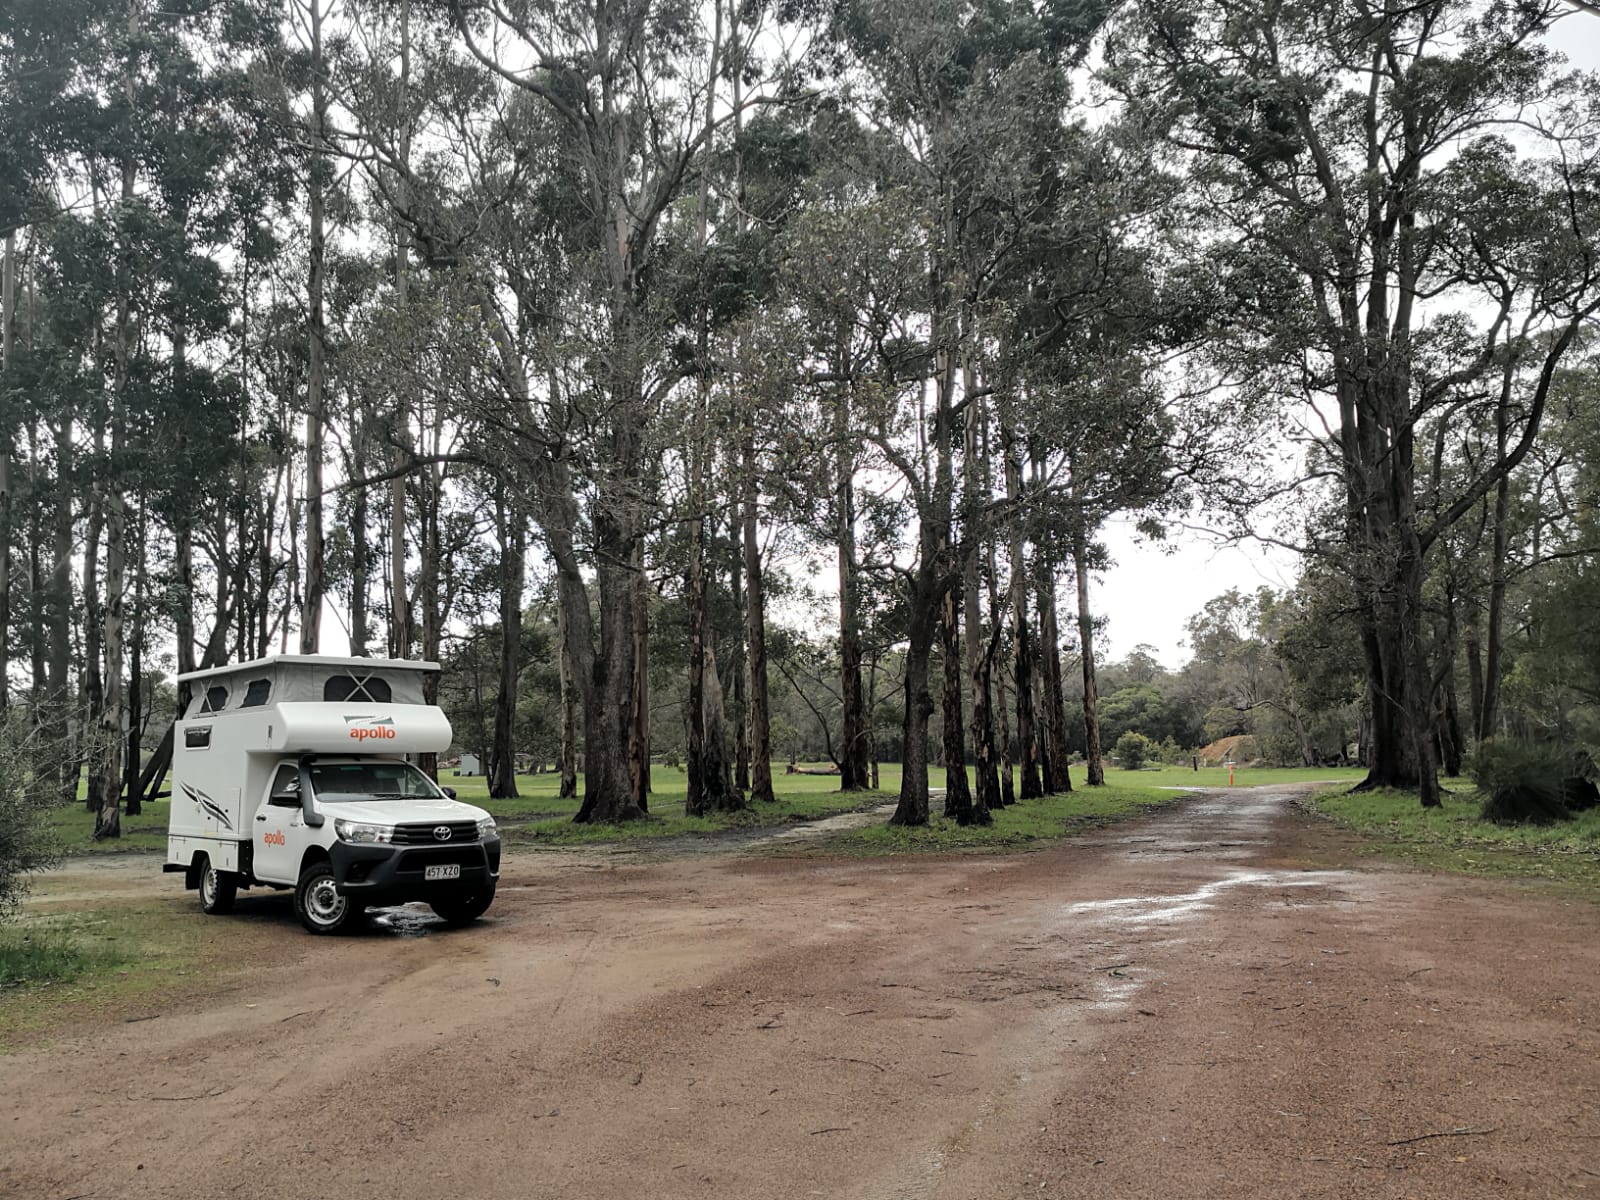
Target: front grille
column 423, row 835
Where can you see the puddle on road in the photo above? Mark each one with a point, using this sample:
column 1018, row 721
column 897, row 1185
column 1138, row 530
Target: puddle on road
column 1158, row 909
column 410, row 921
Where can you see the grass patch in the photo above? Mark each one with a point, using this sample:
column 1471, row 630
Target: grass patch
column 1455, row 837
column 799, row 798
column 73, row 826
column 1217, row 777
column 30, row 957
column 1029, row 823
column 84, row 963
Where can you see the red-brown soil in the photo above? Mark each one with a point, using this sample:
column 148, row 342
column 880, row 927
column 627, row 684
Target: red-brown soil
column 1205, row 1003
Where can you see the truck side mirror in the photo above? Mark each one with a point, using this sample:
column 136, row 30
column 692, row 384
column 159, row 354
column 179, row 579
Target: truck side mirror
column 451, row 792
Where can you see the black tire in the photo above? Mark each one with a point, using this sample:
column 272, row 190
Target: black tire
column 218, row 889
column 463, row 910
column 319, row 905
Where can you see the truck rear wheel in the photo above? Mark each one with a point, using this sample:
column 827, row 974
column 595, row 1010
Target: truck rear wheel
column 218, row 889
column 463, row 910
column 319, row 905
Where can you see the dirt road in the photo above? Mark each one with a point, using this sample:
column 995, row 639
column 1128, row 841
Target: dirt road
column 1201, row 1004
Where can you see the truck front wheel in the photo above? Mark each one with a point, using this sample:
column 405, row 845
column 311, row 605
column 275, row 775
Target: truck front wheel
column 218, row 889
column 319, row 905
column 463, row 910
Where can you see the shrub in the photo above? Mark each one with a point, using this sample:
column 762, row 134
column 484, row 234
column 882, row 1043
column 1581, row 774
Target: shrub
column 1133, row 750
column 26, row 843
column 1522, row 783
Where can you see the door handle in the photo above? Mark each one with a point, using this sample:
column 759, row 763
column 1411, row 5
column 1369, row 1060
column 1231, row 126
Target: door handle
column 261, row 818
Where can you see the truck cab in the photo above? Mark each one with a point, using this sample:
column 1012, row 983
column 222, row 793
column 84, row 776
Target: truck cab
column 290, row 772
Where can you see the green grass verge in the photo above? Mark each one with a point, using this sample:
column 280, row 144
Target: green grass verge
column 60, row 967
column 31, row 957
column 1217, row 777
column 539, row 819
column 1454, row 837
column 1026, row 824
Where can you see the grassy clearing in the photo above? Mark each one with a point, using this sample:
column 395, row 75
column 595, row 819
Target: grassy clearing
column 1454, row 837
column 61, row 967
column 1029, row 823
column 1217, row 777
column 799, row 798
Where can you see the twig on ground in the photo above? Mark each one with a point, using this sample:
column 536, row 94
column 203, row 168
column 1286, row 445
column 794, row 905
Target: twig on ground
column 1464, row 1131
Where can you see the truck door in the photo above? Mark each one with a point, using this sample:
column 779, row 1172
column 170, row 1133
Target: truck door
column 281, row 833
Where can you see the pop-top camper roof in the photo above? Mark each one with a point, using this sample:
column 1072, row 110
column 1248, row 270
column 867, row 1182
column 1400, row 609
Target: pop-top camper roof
column 289, row 678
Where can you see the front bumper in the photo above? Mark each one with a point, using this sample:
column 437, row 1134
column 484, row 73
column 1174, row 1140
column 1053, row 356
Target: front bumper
column 378, row 874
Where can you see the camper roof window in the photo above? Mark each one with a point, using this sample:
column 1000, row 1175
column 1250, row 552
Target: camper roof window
column 216, row 699
column 367, row 688
column 257, row 694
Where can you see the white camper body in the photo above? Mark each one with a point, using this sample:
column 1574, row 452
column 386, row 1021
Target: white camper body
column 289, row 772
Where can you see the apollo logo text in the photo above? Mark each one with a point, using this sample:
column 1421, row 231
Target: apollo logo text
column 272, row 839
column 362, row 733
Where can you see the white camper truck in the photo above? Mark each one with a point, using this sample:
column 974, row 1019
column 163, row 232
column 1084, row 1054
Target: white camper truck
column 289, row 772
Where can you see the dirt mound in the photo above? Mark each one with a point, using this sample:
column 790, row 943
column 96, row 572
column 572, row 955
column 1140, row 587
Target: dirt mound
column 1240, row 748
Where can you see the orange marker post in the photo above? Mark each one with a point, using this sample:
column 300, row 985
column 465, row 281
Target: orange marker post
column 1230, row 774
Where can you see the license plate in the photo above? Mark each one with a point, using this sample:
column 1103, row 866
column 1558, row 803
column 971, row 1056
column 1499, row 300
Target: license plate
column 444, row 871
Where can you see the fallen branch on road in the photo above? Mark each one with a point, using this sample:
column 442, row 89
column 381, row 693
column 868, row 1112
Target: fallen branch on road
column 1464, row 1131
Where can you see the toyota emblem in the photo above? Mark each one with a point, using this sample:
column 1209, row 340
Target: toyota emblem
column 441, row 833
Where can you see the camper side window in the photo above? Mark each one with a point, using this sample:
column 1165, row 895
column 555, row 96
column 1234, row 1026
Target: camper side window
column 285, row 787
column 216, row 699
column 257, row 694
column 368, row 688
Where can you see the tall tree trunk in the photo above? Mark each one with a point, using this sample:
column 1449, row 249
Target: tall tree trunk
column 1052, row 710
column 958, row 803
column 400, row 629
column 569, row 707
column 316, row 333
column 130, row 771
column 1492, row 646
column 1027, row 739
column 853, row 738
column 428, row 589
column 923, row 618
column 360, row 551
column 738, row 660
column 994, row 664
column 91, row 706
column 1094, row 765
column 639, row 679
column 986, row 792
column 756, row 626
column 502, row 756
column 113, row 721
column 8, row 309
column 57, row 598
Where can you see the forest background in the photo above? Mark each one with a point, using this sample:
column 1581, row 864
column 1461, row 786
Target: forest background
column 710, row 383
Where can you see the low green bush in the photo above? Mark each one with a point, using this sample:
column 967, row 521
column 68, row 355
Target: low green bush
column 1523, row 783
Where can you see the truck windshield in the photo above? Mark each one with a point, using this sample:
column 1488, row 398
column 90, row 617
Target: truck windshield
column 371, row 781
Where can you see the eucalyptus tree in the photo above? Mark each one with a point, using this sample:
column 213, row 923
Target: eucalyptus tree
column 1402, row 217
column 960, row 94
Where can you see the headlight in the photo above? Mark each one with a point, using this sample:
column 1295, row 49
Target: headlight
column 356, row 831
column 486, row 828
